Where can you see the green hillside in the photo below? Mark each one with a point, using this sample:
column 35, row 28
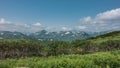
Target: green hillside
column 106, row 37
column 97, row 60
column 106, row 42
column 111, row 34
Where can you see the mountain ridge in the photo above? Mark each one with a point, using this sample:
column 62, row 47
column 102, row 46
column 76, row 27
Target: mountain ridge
column 43, row 34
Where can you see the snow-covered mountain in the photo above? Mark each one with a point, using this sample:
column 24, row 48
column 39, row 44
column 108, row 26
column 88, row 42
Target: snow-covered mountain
column 50, row 36
column 12, row 35
column 62, row 35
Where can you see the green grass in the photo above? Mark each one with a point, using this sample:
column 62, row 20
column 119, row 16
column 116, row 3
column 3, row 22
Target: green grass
column 100, row 40
column 115, row 35
column 96, row 60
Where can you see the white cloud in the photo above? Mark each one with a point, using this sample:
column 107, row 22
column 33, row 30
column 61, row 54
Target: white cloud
column 86, row 19
column 3, row 21
column 109, row 15
column 103, row 21
column 37, row 24
column 109, row 20
column 10, row 26
column 81, row 27
column 66, row 28
column 105, row 17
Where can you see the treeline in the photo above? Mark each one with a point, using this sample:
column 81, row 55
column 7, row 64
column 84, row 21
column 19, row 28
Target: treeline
column 28, row 48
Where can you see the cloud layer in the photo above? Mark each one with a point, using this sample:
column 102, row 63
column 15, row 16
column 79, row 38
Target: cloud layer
column 109, row 20
column 10, row 26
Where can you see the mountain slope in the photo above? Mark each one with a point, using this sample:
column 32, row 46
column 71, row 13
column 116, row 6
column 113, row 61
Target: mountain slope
column 106, row 42
column 115, row 35
column 110, row 34
column 12, row 35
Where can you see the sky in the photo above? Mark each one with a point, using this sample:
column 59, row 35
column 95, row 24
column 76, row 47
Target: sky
column 56, row 15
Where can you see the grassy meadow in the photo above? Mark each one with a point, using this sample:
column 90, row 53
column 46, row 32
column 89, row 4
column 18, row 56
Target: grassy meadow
column 96, row 60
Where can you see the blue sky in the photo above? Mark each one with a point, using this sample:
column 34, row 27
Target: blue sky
column 56, row 14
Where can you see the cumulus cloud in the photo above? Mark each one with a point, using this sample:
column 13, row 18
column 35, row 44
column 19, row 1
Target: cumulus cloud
column 111, row 15
column 86, row 19
column 3, row 21
column 103, row 21
column 105, row 17
column 81, row 27
column 10, row 26
column 66, row 28
column 37, row 24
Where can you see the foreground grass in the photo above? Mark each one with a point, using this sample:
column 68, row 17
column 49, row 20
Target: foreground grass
column 97, row 60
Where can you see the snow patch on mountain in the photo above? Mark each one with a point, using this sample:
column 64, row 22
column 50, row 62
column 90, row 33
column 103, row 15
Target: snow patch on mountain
column 2, row 33
column 67, row 33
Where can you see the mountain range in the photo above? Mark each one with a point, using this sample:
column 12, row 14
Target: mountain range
column 50, row 36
